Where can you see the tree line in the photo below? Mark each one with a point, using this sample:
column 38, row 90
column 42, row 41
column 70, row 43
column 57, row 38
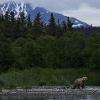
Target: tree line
column 26, row 44
column 22, row 25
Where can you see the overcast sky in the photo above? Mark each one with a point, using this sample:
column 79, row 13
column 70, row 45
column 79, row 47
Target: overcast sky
column 85, row 10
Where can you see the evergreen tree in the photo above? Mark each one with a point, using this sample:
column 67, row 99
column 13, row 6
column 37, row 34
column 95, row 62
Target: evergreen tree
column 22, row 20
column 29, row 23
column 64, row 26
column 22, row 17
column 38, row 28
column 2, row 26
column 22, row 24
column 59, row 30
column 69, row 24
column 6, row 24
column 7, row 17
column 17, row 28
column 12, row 17
column 52, row 25
column 0, row 19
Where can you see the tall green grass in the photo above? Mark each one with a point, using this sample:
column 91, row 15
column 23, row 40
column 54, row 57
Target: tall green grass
column 41, row 77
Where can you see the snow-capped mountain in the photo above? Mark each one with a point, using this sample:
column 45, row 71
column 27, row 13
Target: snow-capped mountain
column 16, row 8
column 45, row 14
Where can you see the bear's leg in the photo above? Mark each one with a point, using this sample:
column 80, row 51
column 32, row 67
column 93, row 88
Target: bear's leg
column 78, row 86
column 74, row 87
column 83, row 85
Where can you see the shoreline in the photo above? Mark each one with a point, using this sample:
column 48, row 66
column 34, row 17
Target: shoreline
column 52, row 90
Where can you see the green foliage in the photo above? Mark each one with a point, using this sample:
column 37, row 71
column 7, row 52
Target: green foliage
column 26, row 53
column 46, row 77
column 24, row 45
column 5, row 53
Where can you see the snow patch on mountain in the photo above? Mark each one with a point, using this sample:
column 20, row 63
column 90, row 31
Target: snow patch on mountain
column 77, row 25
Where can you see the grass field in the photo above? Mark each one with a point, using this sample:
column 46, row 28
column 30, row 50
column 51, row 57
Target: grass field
column 41, row 77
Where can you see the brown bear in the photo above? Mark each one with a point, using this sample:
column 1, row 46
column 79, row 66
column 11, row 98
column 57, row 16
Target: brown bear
column 79, row 83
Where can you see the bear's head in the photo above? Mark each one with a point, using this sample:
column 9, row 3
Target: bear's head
column 84, row 78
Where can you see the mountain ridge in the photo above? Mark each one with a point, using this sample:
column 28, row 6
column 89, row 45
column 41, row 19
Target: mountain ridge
column 45, row 14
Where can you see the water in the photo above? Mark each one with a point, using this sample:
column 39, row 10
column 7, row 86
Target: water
column 62, row 97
